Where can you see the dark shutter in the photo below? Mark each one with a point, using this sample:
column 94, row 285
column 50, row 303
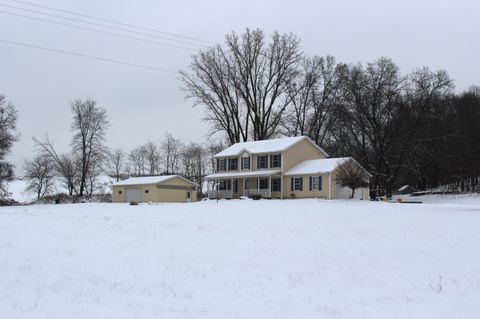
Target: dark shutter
column 218, row 166
column 291, row 183
column 310, row 183
column 319, row 183
column 301, row 184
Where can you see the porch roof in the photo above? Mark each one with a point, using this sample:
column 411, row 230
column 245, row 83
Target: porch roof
column 227, row 175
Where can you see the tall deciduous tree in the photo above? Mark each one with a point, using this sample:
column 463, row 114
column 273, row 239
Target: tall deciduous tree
column 8, row 135
column 40, row 175
column 245, row 84
column 90, row 123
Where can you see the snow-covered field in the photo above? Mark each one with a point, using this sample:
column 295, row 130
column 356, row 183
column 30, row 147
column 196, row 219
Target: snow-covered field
column 242, row 259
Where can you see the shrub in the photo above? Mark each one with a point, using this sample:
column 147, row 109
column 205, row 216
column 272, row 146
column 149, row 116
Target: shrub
column 133, row 203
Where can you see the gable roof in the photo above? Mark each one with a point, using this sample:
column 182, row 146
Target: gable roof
column 265, row 146
column 317, row 166
column 149, row 180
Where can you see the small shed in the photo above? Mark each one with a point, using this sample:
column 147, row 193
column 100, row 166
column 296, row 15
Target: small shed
column 167, row 188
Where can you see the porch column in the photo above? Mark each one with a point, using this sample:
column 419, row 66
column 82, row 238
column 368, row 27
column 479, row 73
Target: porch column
column 231, row 187
column 270, row 185
column 258, row 185
column 244, row 189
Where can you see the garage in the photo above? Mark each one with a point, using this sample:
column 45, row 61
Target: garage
column 155, row 189
column 346, row 193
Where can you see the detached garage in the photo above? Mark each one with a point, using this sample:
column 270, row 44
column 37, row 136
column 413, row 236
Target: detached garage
column 168, row 188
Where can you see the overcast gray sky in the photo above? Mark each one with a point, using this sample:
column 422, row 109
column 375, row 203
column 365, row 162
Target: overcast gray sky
column 144, row 104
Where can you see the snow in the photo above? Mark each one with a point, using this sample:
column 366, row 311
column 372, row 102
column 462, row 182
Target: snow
column 259, row 147
column 317, row 166
column 242, row 259
column 145, row 180
column 245, row 174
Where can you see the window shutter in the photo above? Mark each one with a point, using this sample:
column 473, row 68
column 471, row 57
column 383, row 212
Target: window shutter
column 310, row 183
column 218, row 166
column 291, row 183
column 301, row 184
column 319, row 183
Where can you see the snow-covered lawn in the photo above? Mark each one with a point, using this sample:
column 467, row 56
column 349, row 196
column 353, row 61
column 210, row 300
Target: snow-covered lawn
column 241, row 259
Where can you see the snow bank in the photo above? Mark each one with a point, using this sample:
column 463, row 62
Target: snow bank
column 241, row 259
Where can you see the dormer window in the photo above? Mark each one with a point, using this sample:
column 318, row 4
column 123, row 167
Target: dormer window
column 262, row 161
column 246, row 162
column 276, row 161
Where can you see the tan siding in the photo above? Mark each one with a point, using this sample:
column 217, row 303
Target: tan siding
column 156, row 194
column 304, row 150
column 306, row 193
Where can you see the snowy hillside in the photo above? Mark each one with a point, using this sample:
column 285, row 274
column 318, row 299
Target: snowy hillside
column 241, row 259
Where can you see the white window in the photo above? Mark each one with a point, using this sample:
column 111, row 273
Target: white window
column 245, row 162
column 315, row 183
column 275, row 160
column 262, row 161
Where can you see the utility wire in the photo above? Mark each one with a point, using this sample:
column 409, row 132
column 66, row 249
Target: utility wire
column 91, row 57
column 101, row 25
column 95, row 30
column 111, row 21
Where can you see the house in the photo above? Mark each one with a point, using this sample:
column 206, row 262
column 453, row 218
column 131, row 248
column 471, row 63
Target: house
column 168, row 188
column 290, row 167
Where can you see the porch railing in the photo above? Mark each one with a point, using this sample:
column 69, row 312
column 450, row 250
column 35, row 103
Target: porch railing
column 220, row 194
column 266, row 193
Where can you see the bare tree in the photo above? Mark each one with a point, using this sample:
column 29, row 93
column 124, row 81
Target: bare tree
column 244, row 84
column 8, row 135
column 352, row 175
column 194, row 162
column 152, row 155
column 89, row 124
column 116, row 159
column 170, row 148
column 137, row 159
column 315, row 98
column 67, row 165
column 40, row 174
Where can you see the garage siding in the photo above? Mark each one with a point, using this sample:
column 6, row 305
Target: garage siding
column 173, row 190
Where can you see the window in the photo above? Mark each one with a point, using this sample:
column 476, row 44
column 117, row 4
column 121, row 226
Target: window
column 263, row 183
column 315, row 183
column 224, row 185
column 276, row 185
column 146, row 191
column 245, row 162
column 262, row 161
column 120, row 192
column 221, row 164
column 296, row 183
column 275, row 160
column 233, row 164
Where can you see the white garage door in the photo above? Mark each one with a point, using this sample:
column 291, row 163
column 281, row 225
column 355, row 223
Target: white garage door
column 134, row 195
column 346, row 192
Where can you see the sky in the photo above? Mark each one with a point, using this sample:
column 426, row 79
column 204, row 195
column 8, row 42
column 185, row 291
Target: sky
column 143, row 104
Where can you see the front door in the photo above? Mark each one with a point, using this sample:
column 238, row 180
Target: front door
column 189, row 196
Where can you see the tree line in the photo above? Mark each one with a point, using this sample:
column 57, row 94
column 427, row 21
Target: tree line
column 405, row 128
column 82, row 168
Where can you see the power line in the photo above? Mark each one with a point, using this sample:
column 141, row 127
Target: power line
column 112, row 21
column 91, row 57
column 100, row 25
column 95, row 30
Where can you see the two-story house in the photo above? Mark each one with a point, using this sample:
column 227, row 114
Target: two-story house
column 291, row 167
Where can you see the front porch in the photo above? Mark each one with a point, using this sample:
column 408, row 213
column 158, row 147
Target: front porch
column 227, row 186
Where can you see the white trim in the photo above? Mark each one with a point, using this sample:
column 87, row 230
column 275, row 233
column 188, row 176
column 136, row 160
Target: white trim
column 329, row 186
